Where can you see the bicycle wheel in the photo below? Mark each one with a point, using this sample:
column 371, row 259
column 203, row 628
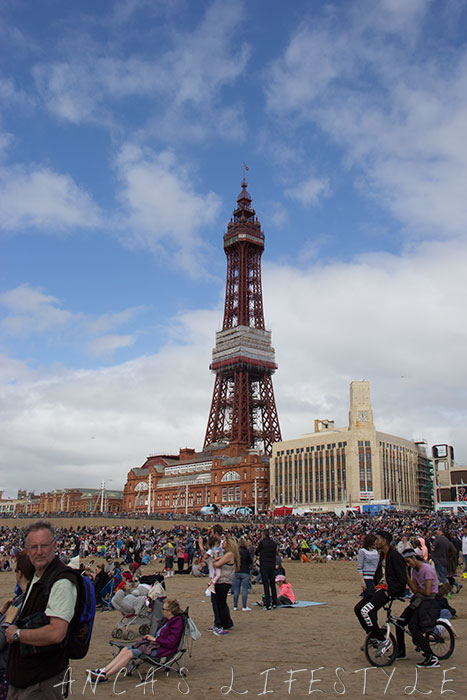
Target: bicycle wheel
column 380, row 653
column 441, row 640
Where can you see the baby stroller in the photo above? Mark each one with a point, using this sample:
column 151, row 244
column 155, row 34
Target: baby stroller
column 137, row 610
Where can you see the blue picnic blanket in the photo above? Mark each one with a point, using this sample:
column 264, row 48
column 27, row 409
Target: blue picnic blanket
column 301, row 604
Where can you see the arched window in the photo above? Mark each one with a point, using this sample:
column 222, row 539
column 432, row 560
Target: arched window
column 231, row 476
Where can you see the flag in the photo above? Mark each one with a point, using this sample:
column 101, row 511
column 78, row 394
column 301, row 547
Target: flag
column 246, row 167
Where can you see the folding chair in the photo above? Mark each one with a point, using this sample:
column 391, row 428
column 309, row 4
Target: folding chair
column 167, row 663
column 173, row 662
column 107, row 593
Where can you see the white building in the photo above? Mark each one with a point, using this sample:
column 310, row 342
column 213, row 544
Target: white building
column 354, row 465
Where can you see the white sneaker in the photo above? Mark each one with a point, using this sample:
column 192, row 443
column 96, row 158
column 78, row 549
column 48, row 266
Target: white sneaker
column 245, row 609
column 235, row 608
column 383, row 647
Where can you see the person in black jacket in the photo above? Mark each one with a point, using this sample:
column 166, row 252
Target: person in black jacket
column 242, row 576
column 266, row 550
column 390, row 582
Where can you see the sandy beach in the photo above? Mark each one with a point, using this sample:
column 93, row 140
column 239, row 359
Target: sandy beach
column 285, row 653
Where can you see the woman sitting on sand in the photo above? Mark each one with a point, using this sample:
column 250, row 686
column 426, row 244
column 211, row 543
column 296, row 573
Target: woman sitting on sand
column 285, row 594
column 165, row 643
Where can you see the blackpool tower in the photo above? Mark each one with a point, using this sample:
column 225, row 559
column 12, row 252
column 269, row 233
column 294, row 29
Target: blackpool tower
column 243, row 410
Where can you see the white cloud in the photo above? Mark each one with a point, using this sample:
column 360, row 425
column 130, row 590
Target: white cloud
column 32, row 311
column 392, row 320
column 309, row 191
column 79, row 427
column 397, row 110
column 106, row 345
column 37, row 197
column 12, row 370
column 162, row 210
column 106, row 322
column 86, row 84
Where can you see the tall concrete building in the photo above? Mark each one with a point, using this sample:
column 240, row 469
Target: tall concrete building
column 355, row 465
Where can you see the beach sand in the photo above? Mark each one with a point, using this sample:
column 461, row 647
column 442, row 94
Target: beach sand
column 284, row 653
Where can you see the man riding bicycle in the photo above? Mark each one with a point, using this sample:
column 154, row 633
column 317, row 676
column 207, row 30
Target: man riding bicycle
column 423, row 609
column 390, row 582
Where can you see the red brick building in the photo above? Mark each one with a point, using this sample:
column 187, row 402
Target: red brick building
column 223, row 474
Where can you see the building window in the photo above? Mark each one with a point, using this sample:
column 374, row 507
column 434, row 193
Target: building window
column 224, row 494
column 237, row 493
column 231, row 476
column 231, row 488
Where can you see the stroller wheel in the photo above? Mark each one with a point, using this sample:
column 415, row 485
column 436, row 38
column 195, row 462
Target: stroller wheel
column 114, row 632
column 118, row 633
column 144, row 629
column 129, row 634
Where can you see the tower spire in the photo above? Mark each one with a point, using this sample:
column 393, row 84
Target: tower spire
column 243, row 408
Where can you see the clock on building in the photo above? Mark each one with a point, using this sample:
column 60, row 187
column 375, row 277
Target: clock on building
column 362, row 416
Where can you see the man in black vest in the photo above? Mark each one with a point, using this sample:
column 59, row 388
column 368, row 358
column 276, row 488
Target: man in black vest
column 266, row 550
column 37, row 657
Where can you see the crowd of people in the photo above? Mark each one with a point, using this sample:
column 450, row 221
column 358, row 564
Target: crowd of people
column 321, row 536
column 391, row 551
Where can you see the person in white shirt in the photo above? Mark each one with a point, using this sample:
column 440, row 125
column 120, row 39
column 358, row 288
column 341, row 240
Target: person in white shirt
column 464, row 547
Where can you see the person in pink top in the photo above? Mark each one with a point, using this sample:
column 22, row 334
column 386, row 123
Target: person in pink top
column 420, row 548
column 285, row 594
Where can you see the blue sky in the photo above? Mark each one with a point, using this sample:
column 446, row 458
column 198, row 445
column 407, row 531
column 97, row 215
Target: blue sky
column 123, row 129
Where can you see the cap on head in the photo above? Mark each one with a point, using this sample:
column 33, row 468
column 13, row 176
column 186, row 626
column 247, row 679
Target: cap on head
column 280, row 578
column 385, row 535
column 409, row 553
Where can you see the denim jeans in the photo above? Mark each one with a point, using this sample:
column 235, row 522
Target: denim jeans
column 441, row 572
column 240, row 581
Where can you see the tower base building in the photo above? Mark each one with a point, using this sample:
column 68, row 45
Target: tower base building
column 225, row 475
column 352, row 467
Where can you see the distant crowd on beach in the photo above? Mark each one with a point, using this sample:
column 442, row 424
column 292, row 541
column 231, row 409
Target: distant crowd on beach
column 319, row 537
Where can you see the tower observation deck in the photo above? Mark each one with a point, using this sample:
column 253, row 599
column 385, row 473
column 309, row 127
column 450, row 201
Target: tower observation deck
column 243, row 408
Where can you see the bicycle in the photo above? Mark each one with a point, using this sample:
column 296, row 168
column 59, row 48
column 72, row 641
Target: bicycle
column 384, row 652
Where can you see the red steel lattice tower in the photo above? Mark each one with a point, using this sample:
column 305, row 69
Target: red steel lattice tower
column 243, row 409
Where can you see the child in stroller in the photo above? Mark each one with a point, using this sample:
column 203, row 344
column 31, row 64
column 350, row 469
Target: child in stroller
column 136, row 607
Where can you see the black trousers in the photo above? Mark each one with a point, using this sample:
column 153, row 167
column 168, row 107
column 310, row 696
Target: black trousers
column 411, row 617
column 222, row 590
column 366, row 611
column 268, row 577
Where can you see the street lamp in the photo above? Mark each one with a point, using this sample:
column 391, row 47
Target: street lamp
column 150, row 492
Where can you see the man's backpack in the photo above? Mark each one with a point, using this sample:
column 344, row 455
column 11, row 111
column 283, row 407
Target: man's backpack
column 79, row 632
column 80, row 628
